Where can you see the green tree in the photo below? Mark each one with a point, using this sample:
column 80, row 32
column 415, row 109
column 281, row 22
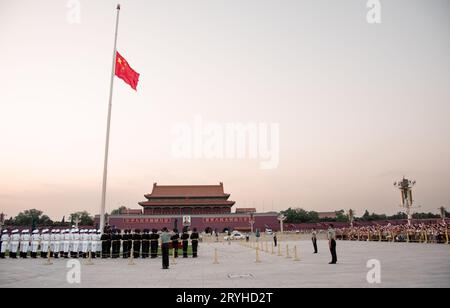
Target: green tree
column 119, row 211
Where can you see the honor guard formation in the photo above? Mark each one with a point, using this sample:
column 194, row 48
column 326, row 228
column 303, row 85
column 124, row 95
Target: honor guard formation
column 84, row 243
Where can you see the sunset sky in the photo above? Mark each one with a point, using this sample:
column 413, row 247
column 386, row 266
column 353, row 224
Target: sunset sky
column 358, row 105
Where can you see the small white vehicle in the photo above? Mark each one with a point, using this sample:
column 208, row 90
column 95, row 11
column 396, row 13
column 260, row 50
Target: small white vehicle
column 269, row 231
column 235, row 235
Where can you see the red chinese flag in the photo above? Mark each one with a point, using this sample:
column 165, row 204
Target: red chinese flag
column 125, row 72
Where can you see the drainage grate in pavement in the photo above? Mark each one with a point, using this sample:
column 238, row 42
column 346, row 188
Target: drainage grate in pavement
column 237, row 276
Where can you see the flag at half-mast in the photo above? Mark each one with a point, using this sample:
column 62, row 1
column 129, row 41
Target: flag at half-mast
column 125, row 72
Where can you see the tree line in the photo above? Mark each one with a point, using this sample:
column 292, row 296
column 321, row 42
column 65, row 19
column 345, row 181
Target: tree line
column 299, row 215
column 35, row 218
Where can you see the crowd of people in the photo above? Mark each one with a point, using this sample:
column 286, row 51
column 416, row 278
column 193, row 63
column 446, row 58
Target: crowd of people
column 421, row 233
column 85, row 243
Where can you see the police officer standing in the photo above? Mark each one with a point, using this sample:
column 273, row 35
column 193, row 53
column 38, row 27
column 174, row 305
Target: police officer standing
column 185, row 239
column 314, row 239
column 194, row 242
column 165, row 241
column 154, row 237
column 275, row 239
column 332, row 244
column 137, row 238
column 175, row 237
column 145, row 244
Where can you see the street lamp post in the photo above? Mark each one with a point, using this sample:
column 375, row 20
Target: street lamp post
column 405, row 186
column 281, row 218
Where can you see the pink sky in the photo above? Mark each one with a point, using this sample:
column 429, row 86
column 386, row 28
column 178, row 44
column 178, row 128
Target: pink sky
column 358, row 105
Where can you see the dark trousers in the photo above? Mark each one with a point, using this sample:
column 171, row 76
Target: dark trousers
column 275, row 241
column 194, row 248
column 136, row 249
column 154, row 248
column 145, row 248
column 125, row 249
column 314, row 241
column 165, row 255
column 175, row 247
column 333, row 251
column 185, row 249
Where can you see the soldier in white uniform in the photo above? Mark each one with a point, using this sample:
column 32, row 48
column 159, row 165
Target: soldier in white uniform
column 5, row 244
column 45, row 243
column 91, row 246
column 66, row 243
column 75, row 243
column 84, row 236
column 14, row 244
column 56, row 243
column 35, row 239
column 24, row 243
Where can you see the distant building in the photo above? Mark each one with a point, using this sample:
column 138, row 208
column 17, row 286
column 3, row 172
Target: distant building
column 244, row 210
column 327, row 215
column 128, row 211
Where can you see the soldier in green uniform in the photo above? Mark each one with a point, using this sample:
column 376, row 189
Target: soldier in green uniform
column 332, row 243
column 165, row 241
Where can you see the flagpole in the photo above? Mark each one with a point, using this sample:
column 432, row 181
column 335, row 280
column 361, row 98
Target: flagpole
column 105, row 165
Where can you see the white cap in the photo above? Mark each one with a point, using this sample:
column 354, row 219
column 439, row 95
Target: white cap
column 15, row 231
column 45, row 231
column 57, row 231
column 25, row 231
column 5, row 231
column 36, row 231
column 99, row 231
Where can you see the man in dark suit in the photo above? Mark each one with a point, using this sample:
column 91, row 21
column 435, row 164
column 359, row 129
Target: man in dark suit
column 194, row 242
column 175, row 237
column 185, row 240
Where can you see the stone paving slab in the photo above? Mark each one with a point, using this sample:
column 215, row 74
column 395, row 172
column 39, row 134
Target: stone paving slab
column 402, row 265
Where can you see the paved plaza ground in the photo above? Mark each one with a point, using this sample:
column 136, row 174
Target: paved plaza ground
column 402, row 265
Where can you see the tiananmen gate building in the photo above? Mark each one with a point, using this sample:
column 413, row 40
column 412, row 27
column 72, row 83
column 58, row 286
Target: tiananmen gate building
column 206, row 206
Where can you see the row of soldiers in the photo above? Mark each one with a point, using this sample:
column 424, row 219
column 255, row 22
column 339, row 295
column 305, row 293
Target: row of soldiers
column 145, row 244
column 82, row 243
column 59, row 243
